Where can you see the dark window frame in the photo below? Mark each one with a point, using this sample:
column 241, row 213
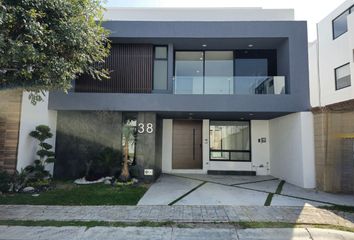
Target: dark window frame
column 153, row 68
column 230, row 151
column 335, row 77
column 349, row 10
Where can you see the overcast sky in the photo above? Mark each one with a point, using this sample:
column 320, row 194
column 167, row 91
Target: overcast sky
column 310, row 10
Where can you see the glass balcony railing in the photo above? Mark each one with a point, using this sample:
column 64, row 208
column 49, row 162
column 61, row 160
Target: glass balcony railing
column 240, row 85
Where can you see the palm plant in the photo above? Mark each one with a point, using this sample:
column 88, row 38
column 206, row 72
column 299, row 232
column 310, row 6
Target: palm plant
column 129, row 133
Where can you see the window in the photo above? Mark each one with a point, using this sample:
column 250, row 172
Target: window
column 340, row 25
column 189, row 69
column 254, row 71
column 342, row 76
column 230, row 141
column 160, row 68
column 219, row 72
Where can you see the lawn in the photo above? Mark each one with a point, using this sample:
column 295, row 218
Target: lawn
column 71, row 194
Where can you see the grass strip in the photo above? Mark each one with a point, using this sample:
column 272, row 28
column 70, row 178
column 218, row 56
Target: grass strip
column 342, row 208
column 280, row 187
column 173, row 202
column 268, row 201
column 241, row 224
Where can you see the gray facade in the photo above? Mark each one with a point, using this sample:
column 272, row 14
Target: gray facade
column 289, row 38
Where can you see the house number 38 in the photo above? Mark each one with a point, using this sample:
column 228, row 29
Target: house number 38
column 148, row 127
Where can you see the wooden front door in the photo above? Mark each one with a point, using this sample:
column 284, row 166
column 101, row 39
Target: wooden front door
column 187, row 144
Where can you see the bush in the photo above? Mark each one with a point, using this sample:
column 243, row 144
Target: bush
column 5, row 181
column 105, row 164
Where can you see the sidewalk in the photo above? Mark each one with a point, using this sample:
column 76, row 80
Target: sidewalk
column 195, row 214
column 169, row 233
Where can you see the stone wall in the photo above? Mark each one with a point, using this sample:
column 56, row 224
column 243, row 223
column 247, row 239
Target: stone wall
column 334, row 150
column 81, row 135
column 10, row 110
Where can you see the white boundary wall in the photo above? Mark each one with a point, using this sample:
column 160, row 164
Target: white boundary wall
column 198, row 14
column 32, row 116
column 292, row 156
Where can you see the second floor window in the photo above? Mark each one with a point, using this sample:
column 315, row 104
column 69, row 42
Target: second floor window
column 342, row 75
column 340, row 23
column 160, row 68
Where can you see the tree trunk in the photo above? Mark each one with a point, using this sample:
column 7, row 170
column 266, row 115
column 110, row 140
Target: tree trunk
column 124, row 175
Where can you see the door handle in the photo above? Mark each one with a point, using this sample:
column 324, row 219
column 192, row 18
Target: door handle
column 193, row 143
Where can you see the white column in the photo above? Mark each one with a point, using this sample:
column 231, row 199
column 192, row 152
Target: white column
column 32, row 116
column 167, row 126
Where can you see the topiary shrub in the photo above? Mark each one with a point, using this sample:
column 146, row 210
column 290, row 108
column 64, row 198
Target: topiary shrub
column 37, row 172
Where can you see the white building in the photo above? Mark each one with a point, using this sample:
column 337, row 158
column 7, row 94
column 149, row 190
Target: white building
column 332, row 98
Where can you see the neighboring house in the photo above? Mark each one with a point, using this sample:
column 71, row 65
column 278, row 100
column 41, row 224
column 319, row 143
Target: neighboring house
column 332, row 98
column 222, row 90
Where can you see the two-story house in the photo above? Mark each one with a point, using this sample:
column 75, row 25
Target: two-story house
column 332, row 98
column 223, row 90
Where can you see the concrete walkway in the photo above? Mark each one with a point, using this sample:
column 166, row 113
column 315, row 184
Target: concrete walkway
column 186, row 214
column 168, row 233
column 202, row 189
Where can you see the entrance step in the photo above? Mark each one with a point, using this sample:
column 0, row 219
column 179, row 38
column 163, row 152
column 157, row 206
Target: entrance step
column 238, row 173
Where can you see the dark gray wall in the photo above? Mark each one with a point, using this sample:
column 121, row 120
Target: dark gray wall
column 145, row 149
column 81, row 136
column 288, row 37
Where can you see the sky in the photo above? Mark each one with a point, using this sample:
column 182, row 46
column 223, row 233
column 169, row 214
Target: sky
column 312, row 11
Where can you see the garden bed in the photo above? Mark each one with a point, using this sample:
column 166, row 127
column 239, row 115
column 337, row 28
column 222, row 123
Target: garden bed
column 72, row 194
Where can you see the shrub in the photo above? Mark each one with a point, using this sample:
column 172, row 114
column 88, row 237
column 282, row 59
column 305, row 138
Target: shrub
column 5, row 181
column 105, row 164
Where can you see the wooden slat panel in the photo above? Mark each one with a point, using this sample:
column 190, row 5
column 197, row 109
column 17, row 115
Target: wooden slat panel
column 131, row 67
column 10, row 108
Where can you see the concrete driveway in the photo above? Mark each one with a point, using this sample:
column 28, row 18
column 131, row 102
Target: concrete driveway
column 201, row 189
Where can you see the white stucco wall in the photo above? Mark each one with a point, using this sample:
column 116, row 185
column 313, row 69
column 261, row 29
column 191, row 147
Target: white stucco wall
column 333, row 53
column 167, row 126
column 32, row 116
column 313, row 75
column 292, row 155
column 198, row 14
column 260, row 150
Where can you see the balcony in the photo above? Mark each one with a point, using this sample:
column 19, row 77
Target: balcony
column 240, row 85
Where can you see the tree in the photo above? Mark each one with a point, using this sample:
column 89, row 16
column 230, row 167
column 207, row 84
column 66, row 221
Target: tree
column 44, row 45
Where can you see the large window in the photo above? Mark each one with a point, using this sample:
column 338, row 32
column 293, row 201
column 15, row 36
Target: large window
column 189, row 70
column 160, row 68
column 230, row 141
column 219, row 72
column 342, row 76
column 340, row 23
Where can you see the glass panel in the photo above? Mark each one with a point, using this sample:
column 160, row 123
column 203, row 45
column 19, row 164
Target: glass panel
column 160, row 75
column 160, row 52
column 260, row 85
column 240, row 156
column 189, row 73
column 229, row 135
column 251, row 67
column 219, row 72
column 340, row 25
column 343, row 77
column 219, row 155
